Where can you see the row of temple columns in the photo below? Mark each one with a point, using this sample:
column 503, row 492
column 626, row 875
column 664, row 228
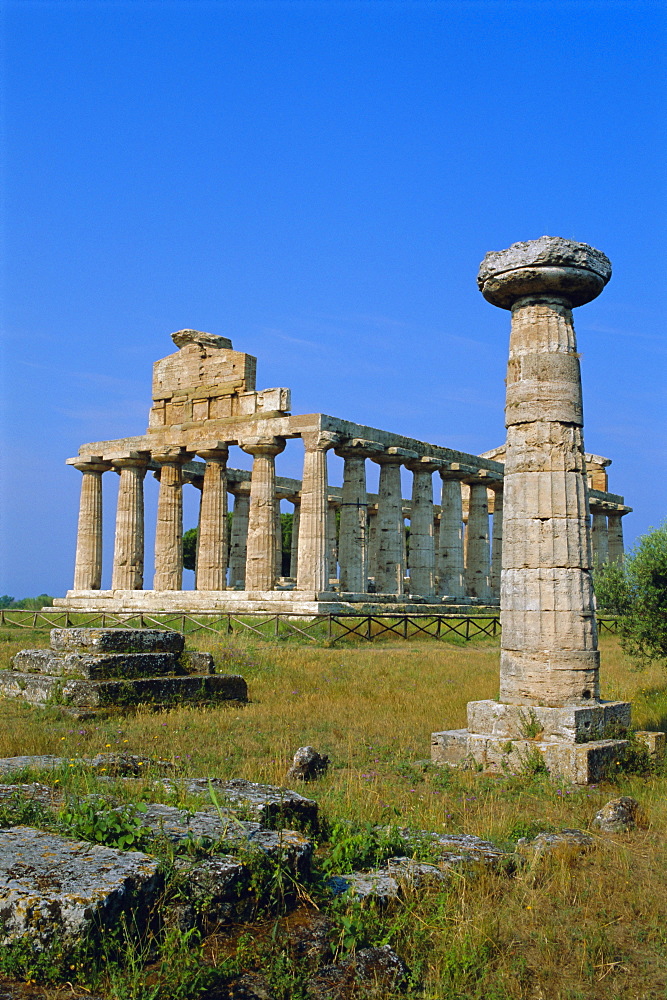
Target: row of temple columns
column 369, row 543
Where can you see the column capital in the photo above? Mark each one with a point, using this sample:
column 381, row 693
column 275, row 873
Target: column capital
column 214, row 454
column 131, row 461
column 91, row 466
column 454, row 470
column 240, row 488
column 574, row 273
column 171, row 456
column 358, row 448
column 424, row 464
column 395, row 456
column 320, row 440
column 263, row 446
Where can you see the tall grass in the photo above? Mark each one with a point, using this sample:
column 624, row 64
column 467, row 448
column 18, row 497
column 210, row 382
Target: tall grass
column 567, row 928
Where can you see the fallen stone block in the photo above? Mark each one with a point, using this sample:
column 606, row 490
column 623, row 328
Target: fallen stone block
column 308, row 765
column 117, row 640
column 378, row 885
column 270, row 805
column 55, row 890
column 618, row 815
column 34, row 792
column 562, row 841
column 371, row 973
column 218, row 889
column 211, row 826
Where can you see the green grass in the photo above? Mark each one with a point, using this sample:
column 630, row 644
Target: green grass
column 590, row 926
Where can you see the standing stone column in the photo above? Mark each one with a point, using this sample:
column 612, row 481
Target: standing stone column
column 422, row 545
column 496, row 541
column 332, row 541
column 212, row 535
column 260, row 571
column 238, row 547
column 615, row 536
column 169, row 529
column 353, row 541
column 478, row 552
column 88, row 564
column 390, row 571
column 373, row 543
column 294, row 549
column 549, row 650
column 450, row 549
column 599, row 538
column 279, row 541
column 128, row 556
column 313, row 561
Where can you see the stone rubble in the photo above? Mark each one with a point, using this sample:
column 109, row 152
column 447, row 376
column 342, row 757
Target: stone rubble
column 308, row 765
column 618, row 815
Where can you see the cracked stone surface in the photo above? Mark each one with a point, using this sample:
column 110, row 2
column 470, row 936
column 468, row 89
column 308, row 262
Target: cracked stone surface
column 53, row 888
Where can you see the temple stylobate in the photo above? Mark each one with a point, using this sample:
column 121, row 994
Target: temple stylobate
column 351, row 549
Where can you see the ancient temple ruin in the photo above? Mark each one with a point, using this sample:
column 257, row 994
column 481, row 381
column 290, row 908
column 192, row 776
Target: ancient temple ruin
column 348, row 545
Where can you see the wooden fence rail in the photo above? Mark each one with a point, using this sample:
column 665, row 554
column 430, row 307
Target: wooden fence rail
column 322, row 627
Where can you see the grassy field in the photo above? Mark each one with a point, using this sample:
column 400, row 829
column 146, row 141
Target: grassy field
column 569, row 928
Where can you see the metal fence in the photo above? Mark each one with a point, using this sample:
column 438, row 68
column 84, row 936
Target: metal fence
column 316, row 628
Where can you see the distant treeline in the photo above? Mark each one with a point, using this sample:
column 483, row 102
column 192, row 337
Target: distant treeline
column 27, row 603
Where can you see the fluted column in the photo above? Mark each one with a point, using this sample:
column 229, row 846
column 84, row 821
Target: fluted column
column 294, row 550
column 353, row 541
column 260, row 571
column 373, row 542
column 549, row 638
column 332, row 540
column 478, row 551
column 390, row 526
column 599, row 538
column 422, row 547
column 128, row 556
column 169, row 528
column 238, row 547
column 496, row 541
column 615, row 536
column 88, row 564
column 212, row 535
column 313, row 561
column 450, row 549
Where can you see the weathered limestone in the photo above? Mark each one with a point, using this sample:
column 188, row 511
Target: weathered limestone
column 390, row 571
column 615, row 537
column 92, row 669
column 261, row 553
column 422, row 547
column 353, row 542
column 169, row 529
column 599, row 538
column 496, row 541
column 477, row 571
column 549, row 658
column 88, row 566
column 58, row 891
column 450, row 547
column 212, row 537
column 313, row 562
column 294, row 548
column 128, row 558
column 239, row 540
column 204, row 401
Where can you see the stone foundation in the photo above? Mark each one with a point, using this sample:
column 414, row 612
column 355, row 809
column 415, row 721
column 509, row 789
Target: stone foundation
column 92, row 669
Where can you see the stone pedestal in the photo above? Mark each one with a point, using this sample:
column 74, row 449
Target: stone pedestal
column 550, row 713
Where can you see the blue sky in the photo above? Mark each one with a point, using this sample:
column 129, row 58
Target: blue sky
column 319, row 182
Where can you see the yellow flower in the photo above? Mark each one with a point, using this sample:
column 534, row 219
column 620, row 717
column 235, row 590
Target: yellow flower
column 139, row 763
column 103, row 769
column 107, row 744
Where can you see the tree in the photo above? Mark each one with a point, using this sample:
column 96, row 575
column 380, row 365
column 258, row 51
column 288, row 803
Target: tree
column 637, row 593
column 190, row 548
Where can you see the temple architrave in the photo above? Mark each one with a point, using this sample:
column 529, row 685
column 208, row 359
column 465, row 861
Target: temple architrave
column 348, row 545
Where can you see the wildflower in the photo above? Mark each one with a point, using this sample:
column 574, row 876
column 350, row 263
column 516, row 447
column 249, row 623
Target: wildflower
column 107, row 744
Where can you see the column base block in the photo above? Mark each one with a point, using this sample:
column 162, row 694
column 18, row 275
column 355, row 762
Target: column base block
column 580, row 763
